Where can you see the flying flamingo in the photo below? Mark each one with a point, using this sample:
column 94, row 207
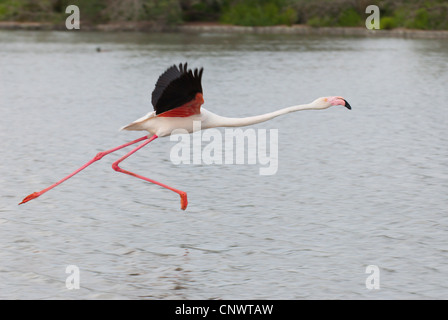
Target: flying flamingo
column 177, row 100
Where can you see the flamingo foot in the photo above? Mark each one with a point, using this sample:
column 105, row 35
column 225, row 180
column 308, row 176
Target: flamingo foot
column 183, row 200
column 30, row 197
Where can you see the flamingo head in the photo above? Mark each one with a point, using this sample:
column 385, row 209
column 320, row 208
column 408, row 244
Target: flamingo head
column 326, row 102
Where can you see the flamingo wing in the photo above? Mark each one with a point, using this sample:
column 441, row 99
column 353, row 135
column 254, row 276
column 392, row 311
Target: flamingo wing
column 178, row 92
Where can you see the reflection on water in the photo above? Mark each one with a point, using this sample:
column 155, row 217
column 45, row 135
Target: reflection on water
column 359, row 188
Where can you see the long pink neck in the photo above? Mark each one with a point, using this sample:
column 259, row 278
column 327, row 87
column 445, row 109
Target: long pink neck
column 220, row 121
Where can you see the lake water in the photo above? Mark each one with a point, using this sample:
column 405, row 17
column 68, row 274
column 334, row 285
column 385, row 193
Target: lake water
column 353, row 188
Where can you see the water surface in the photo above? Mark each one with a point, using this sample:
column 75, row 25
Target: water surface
column 353, row 188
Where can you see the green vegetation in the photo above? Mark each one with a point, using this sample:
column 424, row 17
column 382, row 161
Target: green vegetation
column 421, row 19
column 415, row 14
column 432, row 16
column 350, row 18
column 387, row 23
column 258, row 13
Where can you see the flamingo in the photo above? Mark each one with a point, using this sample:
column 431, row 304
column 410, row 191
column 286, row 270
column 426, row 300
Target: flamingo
column 177, row 99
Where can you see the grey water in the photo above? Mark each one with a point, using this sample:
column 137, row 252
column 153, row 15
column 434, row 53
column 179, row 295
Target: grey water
column 353, row 188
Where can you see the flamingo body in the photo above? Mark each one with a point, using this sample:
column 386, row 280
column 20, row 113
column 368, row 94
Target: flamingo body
column 177, row 100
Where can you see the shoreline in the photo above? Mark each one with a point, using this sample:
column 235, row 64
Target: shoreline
column 222, row 28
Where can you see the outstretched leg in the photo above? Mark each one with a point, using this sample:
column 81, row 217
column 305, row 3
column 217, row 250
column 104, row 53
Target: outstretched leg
column 183, row 195
column 96, row 158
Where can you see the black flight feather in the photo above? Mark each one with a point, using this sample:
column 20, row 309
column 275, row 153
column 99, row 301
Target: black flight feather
column 175, row 87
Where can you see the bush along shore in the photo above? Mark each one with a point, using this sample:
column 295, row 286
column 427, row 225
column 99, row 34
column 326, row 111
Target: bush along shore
column 411, row 18
column 222, row 28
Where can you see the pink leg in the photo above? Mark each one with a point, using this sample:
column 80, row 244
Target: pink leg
column 183, row 195
column 96, row 158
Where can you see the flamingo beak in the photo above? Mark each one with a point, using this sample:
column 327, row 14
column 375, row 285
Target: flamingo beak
column 347, row 105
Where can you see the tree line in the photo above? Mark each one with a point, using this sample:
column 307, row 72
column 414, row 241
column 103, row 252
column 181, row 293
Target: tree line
column 415, row 14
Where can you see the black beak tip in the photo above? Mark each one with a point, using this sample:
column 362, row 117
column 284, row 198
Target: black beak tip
column 347, row 105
